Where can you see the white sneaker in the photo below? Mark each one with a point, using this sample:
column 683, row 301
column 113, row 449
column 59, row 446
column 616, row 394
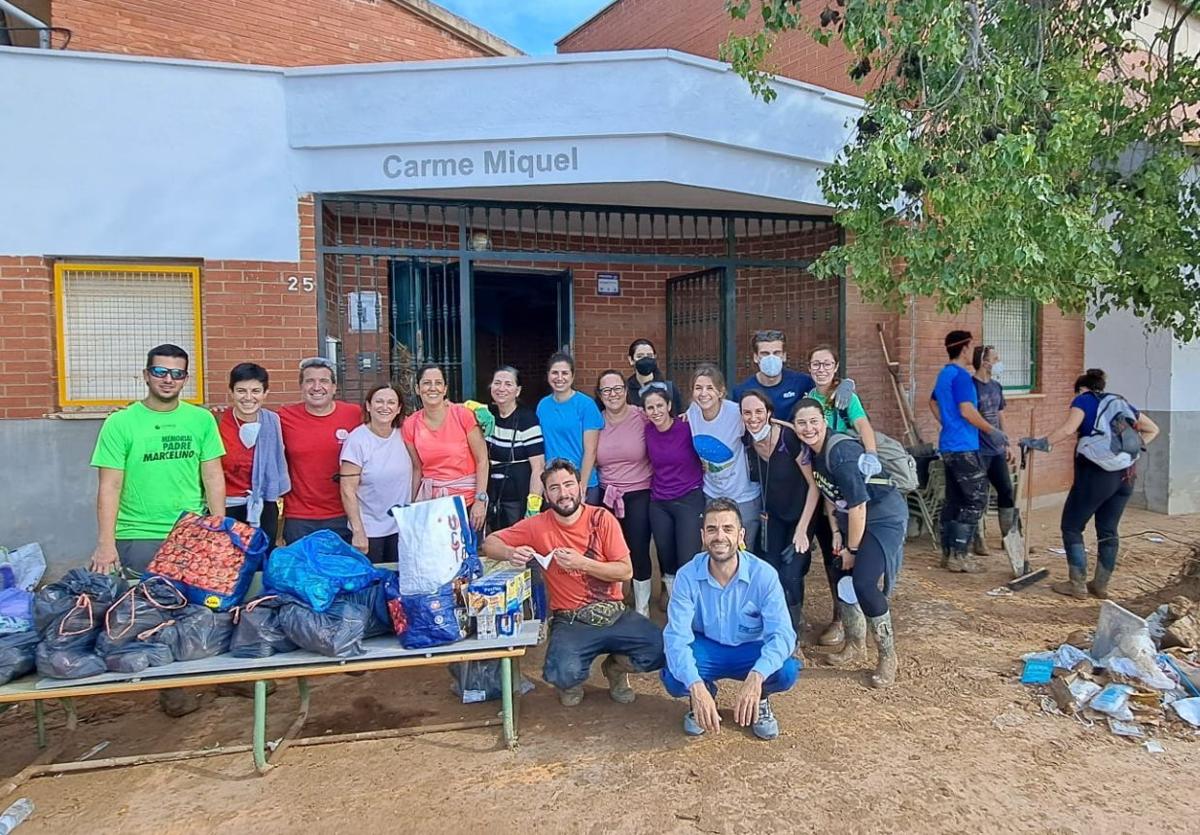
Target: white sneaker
column 766, row 726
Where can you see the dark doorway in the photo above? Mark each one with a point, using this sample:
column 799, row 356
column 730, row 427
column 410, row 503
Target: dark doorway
column 521, row 318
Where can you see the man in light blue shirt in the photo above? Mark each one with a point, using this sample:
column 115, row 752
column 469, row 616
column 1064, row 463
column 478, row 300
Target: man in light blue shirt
column 728, row 618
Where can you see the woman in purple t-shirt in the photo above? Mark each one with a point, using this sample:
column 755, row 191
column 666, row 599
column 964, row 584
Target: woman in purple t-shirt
column 676, row 489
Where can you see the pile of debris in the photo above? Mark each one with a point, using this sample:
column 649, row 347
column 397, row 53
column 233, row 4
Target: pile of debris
column 1139, row 675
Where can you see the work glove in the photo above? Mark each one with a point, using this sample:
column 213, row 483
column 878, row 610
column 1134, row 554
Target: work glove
column 998, row 438
column 869, row 464
column 533, row 505
column 843, row 394
column 483, row 416
column 1039, row 444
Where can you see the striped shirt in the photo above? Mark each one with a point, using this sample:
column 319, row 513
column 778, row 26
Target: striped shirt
column 516, row 439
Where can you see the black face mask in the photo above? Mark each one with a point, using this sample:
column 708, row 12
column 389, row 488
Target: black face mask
column 645, row 366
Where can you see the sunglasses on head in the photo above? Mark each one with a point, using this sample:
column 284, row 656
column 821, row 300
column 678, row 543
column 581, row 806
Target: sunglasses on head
column 160, row 372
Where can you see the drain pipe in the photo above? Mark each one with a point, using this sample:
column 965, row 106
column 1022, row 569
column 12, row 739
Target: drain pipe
column 43, row 29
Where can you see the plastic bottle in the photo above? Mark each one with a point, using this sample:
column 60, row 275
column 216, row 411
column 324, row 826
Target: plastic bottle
column 15, row 815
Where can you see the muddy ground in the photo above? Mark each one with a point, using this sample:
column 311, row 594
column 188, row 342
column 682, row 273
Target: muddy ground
column 957, row 746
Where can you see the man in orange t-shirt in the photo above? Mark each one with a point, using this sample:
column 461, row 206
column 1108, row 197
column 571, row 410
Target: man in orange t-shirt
column 588, row 562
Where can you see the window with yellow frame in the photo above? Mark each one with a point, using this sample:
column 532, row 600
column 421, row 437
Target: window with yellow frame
column 109, row 315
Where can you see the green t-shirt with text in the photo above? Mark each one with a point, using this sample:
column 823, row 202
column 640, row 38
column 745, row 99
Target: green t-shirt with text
column 834, row 417
column 160, row 454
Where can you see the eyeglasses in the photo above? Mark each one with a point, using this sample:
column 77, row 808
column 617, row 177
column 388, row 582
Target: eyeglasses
column 818, row 365
column 160, row 371
column 612, row 391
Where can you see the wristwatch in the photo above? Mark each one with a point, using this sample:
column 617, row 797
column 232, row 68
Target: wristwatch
column 481, row 497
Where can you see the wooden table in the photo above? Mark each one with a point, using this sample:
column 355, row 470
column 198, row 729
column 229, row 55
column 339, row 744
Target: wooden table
column 380, row 654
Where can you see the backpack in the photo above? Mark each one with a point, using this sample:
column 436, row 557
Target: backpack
column 899, row 467
column 1114, row 443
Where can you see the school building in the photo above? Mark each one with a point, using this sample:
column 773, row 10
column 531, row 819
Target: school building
column 385, row 183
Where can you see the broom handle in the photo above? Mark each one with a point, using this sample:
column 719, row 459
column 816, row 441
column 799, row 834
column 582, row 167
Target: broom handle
column 1027, row 484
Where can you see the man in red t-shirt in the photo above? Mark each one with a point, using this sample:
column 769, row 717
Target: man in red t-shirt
column 588, row 562
column 313, row 432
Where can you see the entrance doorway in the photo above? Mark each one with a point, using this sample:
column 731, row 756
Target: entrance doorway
column 521, row 318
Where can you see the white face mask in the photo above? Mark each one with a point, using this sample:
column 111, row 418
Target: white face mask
column 761, row 435
column 248, row 433
column 997, row 369
column 771, row 365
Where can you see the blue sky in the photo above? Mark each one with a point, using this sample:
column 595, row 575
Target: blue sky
column 530, row 25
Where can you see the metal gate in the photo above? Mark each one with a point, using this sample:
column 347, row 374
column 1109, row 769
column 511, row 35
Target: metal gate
column 695, row 324
column 425, row 312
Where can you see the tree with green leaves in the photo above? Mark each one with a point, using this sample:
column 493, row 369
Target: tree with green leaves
column 1032, row 148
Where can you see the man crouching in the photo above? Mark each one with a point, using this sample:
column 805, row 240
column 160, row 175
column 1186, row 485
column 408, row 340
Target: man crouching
column 588, row 561
column 728, row 618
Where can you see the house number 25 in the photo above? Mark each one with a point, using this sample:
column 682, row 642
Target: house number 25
column 297, row 283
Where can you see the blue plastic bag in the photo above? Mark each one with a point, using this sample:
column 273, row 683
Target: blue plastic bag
column 432, row 619
column 316, row 568
column 16, row 611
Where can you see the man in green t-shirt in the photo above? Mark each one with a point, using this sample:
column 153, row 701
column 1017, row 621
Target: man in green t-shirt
column 156, row 459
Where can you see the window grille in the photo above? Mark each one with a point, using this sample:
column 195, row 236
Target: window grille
column 1010, row 325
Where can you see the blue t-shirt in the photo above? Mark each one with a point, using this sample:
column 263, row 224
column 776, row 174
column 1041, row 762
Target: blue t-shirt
column 784, row 395
column 563, row 425
column 954, row 387
column 1089, row 404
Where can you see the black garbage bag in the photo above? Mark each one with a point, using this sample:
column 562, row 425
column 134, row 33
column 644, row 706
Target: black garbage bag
column 68, row 663
column 68, row 643
column 337, row 632
column 145, row 606
column 60, row 597
column 135, row 656
column 194, row 632
column 17, row 654
column 374, row 599
column 256, row 630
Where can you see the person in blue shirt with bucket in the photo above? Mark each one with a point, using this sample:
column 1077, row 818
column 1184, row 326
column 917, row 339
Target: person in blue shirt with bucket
column 955, row 405
column 1110, row 435
column 728, row 619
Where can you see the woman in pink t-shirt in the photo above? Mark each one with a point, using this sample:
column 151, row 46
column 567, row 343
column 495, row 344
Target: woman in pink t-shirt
column 448, row 452
column 625, row 477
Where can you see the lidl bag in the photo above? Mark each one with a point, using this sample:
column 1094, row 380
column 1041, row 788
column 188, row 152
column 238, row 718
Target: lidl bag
column 432, row 619
column 316, row 568
column 436, row 544
column 211, row 559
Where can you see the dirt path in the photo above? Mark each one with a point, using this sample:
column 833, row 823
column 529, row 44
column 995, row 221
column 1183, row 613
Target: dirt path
column 957, row 746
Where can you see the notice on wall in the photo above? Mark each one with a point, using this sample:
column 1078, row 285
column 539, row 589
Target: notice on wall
column 363, row 309
column 608, row 284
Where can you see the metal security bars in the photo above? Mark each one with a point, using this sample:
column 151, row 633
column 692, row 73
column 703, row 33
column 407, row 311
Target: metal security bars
column 1010, row 325
column 420, row 257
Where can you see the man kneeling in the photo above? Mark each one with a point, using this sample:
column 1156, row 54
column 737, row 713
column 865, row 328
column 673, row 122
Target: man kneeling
column 588, row 562
column 728, row 618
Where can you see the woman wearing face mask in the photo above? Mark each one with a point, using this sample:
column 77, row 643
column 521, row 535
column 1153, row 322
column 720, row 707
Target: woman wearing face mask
column 516, row 452
column 571, row 424
column 996, row 459
column 376, row 474
column 831, row 392
column 446, row 445
column 871, row 519
column 717, row 430
column 256, row 472
column 773, row 453
column 625, row 478
column 676, row 487
column 647, row 376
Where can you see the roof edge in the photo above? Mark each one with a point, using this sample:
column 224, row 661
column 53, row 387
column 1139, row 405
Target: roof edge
column 460, row 26
column 599, row 12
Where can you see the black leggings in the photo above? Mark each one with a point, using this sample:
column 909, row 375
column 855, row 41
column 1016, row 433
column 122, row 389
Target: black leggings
column 1102, row 494
column 675, row 524
column 867, row 575
column 269, row 521
column 1000, row 478
column 635, row 524
column 779, row 534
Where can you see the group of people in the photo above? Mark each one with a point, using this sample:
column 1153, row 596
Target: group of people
column 734, row 494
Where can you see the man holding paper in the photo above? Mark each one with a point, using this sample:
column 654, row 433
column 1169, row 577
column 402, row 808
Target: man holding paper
column 585, row 560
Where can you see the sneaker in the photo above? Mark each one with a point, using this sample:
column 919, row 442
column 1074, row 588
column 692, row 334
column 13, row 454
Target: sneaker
column 571, row 696
column 766, row 726
column 690, row 726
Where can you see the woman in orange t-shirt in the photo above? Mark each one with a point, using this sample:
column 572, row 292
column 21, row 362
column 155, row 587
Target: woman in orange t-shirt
column 448, row 452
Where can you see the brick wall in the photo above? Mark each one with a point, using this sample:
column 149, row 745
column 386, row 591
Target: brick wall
column 286, row 33
column 700, row 27
column 28, row 385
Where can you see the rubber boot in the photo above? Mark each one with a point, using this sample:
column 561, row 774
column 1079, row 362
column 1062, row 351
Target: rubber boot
column 641, row 597
column 946, row 549
column 833, row 635
column 885, row 642
column 796, row 612
column 664, row 596
column 978, row 545
column 1099, row 584
column 1076, row 585
column 854, row 648
column 961, row 560
column 1008, row 520
column 616, row 669
column 570, row 696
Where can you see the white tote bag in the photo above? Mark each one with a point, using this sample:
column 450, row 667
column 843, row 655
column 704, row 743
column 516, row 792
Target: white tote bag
column 435, row 539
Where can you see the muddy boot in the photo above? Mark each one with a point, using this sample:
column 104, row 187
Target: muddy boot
column 616, row 669
column 833, row 636
column 178, row 701
column 242, row 689
column 1099, row 585
column 854, row 648
column 885, row 642
column 570, row 696
column 960, row 560
column 1077, row 571
column 978, row 545
column 796, row 613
